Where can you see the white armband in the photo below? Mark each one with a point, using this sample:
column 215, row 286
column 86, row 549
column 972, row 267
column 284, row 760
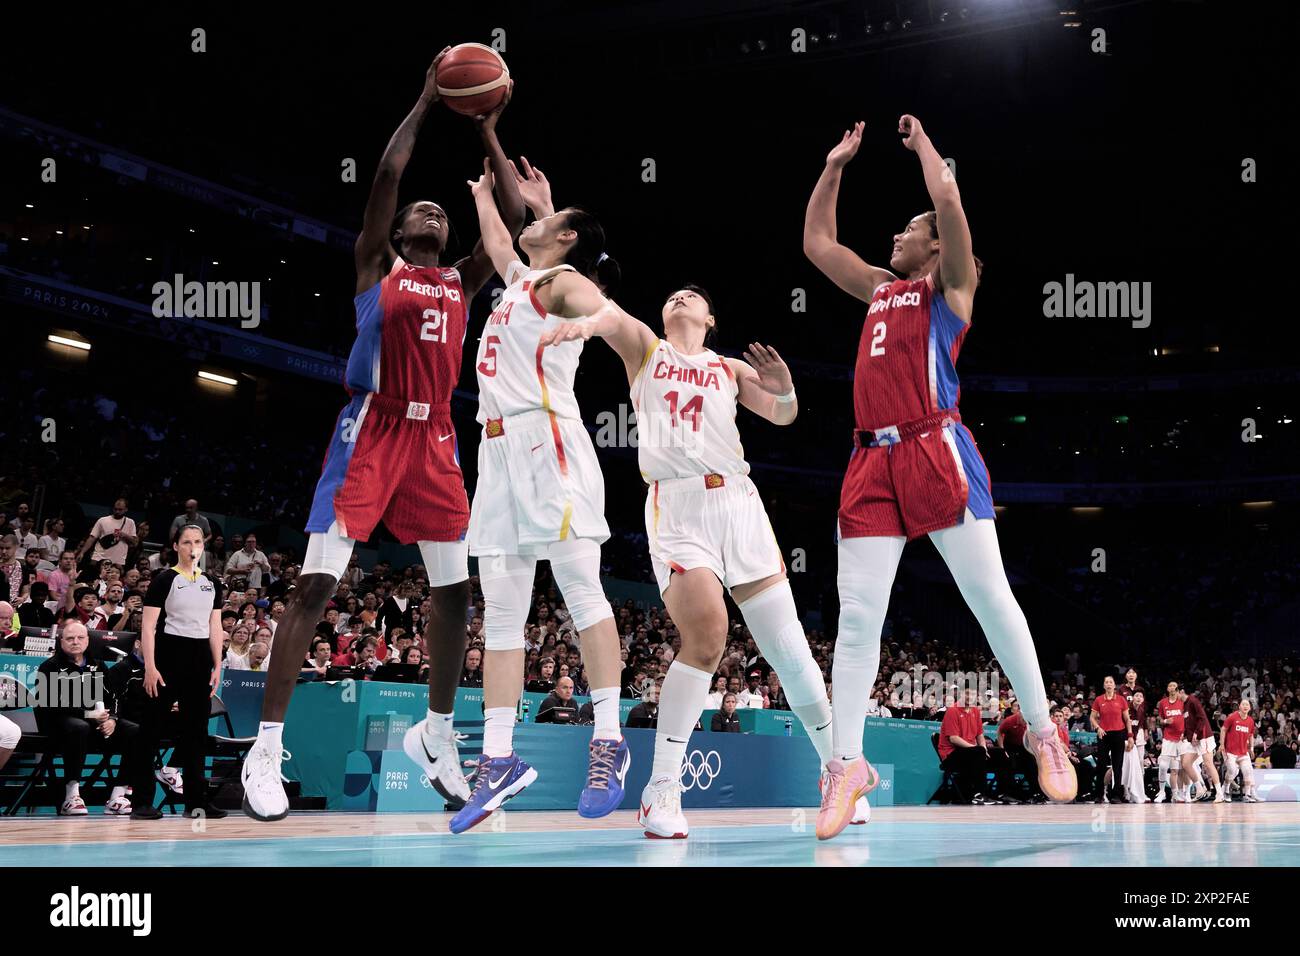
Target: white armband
column 787, row 398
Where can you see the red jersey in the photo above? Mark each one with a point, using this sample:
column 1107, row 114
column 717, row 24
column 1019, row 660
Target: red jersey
column 964, row 722
column 1064, row 734
column 1013, row 731
column 1240, row 732
column 907, row 355
column 1197, row 723
column 410, row 335
column 1174, row 711
column 1112, row 715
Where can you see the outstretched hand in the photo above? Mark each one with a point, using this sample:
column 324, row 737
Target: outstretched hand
column 534, row 187
column 847, row 147
column 483, row 184
column 773, row 374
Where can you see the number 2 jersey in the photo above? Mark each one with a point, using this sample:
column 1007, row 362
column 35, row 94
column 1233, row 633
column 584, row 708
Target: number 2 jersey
column 907, row 355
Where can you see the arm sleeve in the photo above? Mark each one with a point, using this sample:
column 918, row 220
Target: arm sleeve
column 216, row 594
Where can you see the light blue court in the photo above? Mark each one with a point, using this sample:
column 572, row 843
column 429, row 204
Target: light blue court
column 1235, row 835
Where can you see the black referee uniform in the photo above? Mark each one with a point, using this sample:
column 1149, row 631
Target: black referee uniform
column 183, row 656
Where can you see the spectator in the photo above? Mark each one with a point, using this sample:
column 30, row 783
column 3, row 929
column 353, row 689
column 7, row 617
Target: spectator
column 544, row 682
column 83, row 608
column 111, row 537
column 34, row 613
column 713, row 701
column 318, row 662
column 1282, row 754
column 61, row 578
column 257, row 657
column 248, row 560
column 776, row 698
column 69, row 675
column 725, row 720
column 11, row 638
column 471, row 674
column 52, row 542
column 646, row 713
column 397, row 610
column 241, row 643
column 190, row 516
column 559, row 706
column 11, row 570
column 752, row 696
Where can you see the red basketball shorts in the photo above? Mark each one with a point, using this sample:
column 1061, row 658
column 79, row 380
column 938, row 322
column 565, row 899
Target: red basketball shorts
column 392, row 460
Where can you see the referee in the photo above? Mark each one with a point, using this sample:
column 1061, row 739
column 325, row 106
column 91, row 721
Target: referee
column 181, row 641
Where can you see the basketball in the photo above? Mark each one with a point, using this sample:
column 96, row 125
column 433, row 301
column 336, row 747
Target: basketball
column 472, row 79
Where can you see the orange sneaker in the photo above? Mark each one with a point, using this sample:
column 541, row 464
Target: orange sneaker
column 1055, row 772
column 842, row 786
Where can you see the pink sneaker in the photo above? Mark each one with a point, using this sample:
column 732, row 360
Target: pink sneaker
column 1056, row 774
column 842, row 786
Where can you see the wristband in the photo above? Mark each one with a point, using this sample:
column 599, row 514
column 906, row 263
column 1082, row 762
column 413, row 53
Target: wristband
column 787, row 398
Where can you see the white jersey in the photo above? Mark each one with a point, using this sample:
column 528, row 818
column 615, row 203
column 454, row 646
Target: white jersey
column 686, row 415
column 515, row 375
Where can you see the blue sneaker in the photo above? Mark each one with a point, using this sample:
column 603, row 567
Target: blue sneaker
column 496, row 781
column 610, row 762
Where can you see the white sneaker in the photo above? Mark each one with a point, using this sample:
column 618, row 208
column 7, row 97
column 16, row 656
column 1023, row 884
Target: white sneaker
column 171, row 779
column 1160, row 797
column 438, row 758
column 660, row 810
column 861, row 812
column 1184, row 797
column 1251, row 798
column 74, row 806
column 118, row 807
column 1220, row 797
column 264, row 796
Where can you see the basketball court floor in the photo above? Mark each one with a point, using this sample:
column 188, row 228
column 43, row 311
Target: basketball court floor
column 1074, row 835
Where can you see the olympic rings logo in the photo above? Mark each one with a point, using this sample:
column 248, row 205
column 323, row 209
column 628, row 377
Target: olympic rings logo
column 701, row 769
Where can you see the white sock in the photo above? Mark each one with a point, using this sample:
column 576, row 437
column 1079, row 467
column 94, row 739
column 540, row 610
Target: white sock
column 604, row 701
column 680, row 703
column 270, row 734
column 117, row 794
column 499, row 731
column 773, row 620
column 169, row 770
column 438, row 725
column 71, row 789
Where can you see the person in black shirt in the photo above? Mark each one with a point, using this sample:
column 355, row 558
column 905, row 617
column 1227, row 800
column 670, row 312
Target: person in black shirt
column 646, row 713
column 725, row 720
column 559, row 707
column 182, row 642
column 544, row 683
column 1280, row 755
column 471, row 674
column 74, row 717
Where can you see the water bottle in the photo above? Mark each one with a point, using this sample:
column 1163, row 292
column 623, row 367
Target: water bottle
column 789, row 728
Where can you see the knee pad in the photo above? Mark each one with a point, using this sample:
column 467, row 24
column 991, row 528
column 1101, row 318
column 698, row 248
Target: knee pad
column 575, row 565
column 328, row 552
column 446, row 562
column 9, row 733
column 507, row 583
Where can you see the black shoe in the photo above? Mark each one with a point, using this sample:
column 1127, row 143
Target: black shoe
column 146, row 813
column 209, row 811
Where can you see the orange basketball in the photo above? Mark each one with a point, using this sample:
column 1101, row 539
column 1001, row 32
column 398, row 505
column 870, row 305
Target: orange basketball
column 472, row 79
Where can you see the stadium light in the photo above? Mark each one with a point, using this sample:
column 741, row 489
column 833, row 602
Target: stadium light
column 219, row 379
column 74, row 343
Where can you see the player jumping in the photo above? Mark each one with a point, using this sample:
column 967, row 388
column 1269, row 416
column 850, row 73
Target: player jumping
column 914, row 469
column 393, row 454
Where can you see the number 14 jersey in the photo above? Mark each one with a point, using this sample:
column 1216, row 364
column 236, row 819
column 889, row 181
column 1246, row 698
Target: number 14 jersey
column 686, row 415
